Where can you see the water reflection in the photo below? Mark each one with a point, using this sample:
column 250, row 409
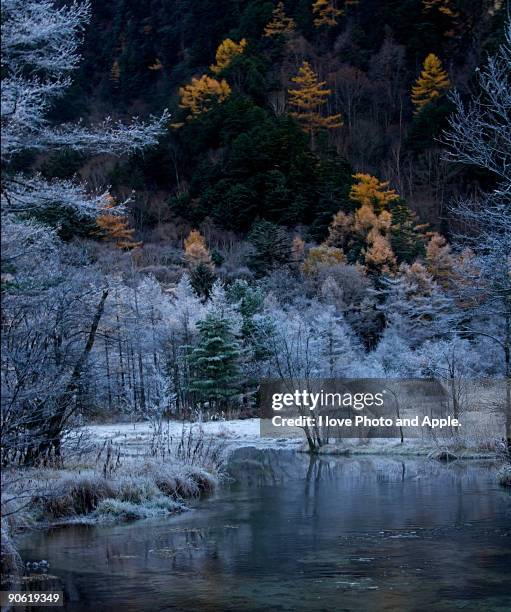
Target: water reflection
column 290, row 532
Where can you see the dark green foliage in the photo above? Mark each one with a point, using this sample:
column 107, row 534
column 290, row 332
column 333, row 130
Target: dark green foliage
column 214, row 362
column 264, row 168
column 427, row 125
column 248, row 301
column 217, row 258
column 62, row 164
column 271, row 247
column 245, row 160
column 67, row 221
column 407, row 243
column 201, row 280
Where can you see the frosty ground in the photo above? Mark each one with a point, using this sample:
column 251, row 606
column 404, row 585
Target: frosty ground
column 246, row 432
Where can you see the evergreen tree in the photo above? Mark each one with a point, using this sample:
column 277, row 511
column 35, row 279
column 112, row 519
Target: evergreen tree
column 214, row 362
column 431, row 84
column 202, row 279
column 272, row 247
column 414, row 305
column 406, row 235
column 334, row 344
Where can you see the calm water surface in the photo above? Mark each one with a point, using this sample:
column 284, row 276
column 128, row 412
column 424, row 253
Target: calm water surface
column 290, row 533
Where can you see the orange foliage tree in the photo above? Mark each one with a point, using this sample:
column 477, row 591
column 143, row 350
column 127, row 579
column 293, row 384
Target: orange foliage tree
column 280, row 23
column 307, row 99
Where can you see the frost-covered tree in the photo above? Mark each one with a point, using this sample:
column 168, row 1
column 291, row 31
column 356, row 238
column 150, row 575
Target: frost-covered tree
column 54, row 299
column 215, row 360
column 51, row 313
column 415, row 306
column 40, row 50
column 480, row 136
column 334, row 345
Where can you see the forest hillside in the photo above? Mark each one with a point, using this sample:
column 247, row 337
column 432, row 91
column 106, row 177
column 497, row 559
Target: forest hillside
column 198, row 195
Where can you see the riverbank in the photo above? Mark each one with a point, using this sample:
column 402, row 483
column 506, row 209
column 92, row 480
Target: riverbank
column 301, row 533
column 246, row 432
column 133, row 471
column 107, row 482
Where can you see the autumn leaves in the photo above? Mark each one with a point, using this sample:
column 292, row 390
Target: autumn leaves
column 308, row 96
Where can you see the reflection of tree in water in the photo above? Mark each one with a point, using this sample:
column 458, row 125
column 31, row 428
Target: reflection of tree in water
column 265, row 466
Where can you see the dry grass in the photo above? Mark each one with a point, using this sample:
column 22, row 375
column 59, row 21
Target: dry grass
column 133, row 484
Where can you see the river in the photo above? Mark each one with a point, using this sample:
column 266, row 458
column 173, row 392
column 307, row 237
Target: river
column 288, row 532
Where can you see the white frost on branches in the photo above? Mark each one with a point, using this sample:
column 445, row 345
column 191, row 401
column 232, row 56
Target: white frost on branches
column 40, row 48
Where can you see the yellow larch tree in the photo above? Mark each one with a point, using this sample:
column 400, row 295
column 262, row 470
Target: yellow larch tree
column 307, row 98
column 195, row 250
column 199, row 96
column 370, row 191
column 432, row 83
column 341, row 227
column 114, row 227
column 280, row 23
column 226, row 52
column 445, row 267
column 378, row 254
column 322, row 256
column 369, row 225
column 325, row 13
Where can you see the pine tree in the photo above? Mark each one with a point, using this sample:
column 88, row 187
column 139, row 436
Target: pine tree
column 280, row 23
column 214, row 362
column 226, row 52
column 202, row 279
column 431, row 84
column 406, row 235
column 307, row 99
column 272, row 247
column 201, row 94
column 334, row 343
column 325, row 13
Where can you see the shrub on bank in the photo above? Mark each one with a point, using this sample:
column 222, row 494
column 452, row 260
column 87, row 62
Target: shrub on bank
column 134, row 491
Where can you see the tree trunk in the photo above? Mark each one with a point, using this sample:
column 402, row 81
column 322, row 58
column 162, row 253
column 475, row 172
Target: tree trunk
column 55, row 426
